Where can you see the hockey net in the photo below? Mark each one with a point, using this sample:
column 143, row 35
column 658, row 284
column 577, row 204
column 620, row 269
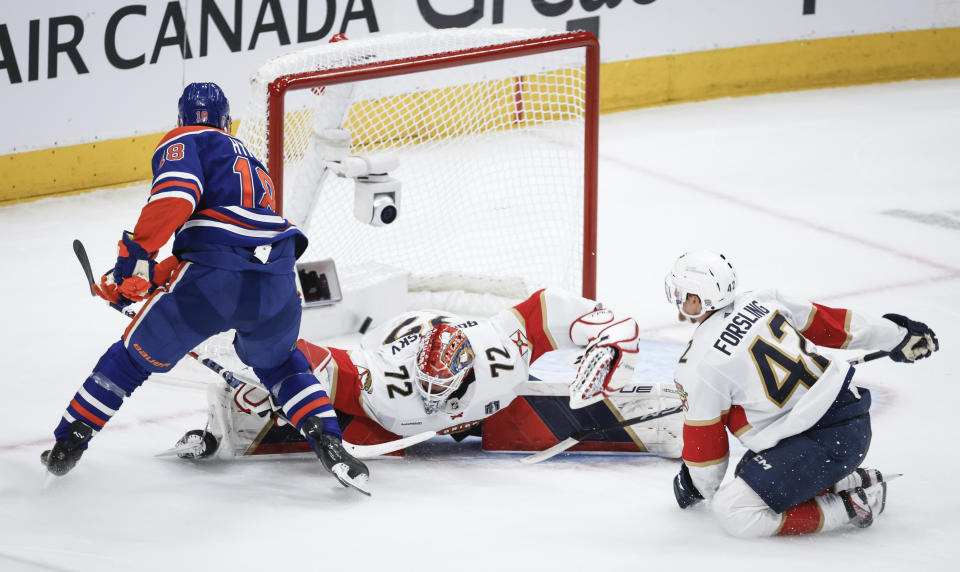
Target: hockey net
column 495, row 135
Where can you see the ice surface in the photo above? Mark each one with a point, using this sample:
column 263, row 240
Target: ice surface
column 794, row 187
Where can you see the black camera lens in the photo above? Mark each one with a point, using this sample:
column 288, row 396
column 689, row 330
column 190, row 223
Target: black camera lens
column 388, row 214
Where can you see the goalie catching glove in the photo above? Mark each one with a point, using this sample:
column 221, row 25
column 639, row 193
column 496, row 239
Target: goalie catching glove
column 603, row 355
column 919, row 342
column 135, row 275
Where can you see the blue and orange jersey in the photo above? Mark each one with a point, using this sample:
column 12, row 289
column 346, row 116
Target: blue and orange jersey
column 209, row 189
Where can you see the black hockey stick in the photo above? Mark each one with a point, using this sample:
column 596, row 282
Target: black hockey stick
column 81, row 253
column 583, row 434
column 869, row 357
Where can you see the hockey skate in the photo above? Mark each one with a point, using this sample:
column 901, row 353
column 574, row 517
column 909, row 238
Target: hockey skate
column 195, row 444
column 329, row 449
column 66, row 452
column 864, row 478
column 863, row 504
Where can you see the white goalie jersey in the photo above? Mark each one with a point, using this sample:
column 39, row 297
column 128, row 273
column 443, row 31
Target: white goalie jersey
column 379, row 377
column 373, row 387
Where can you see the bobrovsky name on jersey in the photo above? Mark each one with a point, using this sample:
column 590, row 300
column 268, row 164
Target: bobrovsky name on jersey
column 411, row 338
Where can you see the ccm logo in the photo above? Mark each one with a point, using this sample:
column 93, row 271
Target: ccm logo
column 762, row 462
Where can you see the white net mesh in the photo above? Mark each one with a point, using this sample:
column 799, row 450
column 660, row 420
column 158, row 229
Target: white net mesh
column 491, row 159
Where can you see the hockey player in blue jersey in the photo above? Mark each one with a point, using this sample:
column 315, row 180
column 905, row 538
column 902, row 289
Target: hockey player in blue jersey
column 235, row 271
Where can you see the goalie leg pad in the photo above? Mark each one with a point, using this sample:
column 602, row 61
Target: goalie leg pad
column 663, row 436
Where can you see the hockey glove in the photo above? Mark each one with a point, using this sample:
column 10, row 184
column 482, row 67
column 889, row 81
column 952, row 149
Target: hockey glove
column 107, row 289
column 687, row 494
column 163, row 271
column 600, row 361
column 919, row 342
column 131, row 279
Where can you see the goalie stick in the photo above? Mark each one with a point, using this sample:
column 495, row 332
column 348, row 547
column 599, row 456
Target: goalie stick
column 583, row 434
column 235, row 381
column 358, row 451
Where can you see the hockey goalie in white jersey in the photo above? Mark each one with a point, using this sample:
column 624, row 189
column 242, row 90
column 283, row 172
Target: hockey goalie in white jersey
column 754, row 367
column 429, row 370
column 433, row 371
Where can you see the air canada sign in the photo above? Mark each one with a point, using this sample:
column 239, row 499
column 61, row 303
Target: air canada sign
column 84, row 36
column 140, row 34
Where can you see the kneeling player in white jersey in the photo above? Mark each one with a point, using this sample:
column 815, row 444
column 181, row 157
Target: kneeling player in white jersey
column 432, row 371
column 753, row 367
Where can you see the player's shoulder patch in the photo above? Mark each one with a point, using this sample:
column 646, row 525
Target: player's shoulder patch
column 365, row 380
column 519, row 338
column 682, row 393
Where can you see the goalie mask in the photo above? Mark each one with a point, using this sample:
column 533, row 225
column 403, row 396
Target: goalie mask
column 708, row 275
column 444, row 357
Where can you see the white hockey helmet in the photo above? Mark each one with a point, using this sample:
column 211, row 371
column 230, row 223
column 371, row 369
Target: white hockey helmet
column 444, row 358
column 707, row 274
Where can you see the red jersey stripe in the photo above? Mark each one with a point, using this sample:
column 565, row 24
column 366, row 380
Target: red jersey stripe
column 736, row 420
column 828, row 327
column 318, row 356
column 804, row 518
column 346, row 383
column 532, row 313
column 705, row 444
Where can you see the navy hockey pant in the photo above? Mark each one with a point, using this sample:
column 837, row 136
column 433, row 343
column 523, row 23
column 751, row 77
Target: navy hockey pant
column 798, row 468
column 202, row 301
column 263, row 308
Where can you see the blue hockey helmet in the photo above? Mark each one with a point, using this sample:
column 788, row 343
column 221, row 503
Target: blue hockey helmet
column 204, row 104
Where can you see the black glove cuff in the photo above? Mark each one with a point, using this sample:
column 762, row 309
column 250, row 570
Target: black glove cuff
column 902, row 321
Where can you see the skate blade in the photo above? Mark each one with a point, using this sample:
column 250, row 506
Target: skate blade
column 177, row 451
column 341, row 471
column 48, row 479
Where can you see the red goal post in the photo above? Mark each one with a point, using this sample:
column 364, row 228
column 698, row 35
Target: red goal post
column 283, row 124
